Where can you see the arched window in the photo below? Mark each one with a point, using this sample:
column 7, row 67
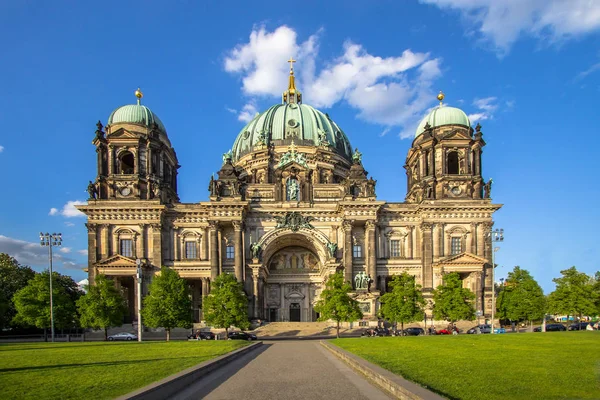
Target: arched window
column 292, row 190
column 127, row 163
column 452, row 163
column 427, row 169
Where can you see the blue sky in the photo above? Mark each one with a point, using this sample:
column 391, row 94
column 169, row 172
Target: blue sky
column 528, row 71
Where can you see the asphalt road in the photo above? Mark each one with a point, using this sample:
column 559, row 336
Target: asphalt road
column 284, row 370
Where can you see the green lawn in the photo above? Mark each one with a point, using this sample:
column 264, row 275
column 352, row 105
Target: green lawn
column 96, row 370
column 553, row 365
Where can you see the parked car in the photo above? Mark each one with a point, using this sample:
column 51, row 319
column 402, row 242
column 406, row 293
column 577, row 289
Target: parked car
column 483, row 328
column 202, row 335
column 499, row 330
column 241, row 336
column 415, row 331
column 581, row 326
column 371, row 332
column 551, row 328
column 123, row 336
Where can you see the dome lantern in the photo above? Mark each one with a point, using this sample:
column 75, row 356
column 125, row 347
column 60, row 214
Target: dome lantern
column 443, row 115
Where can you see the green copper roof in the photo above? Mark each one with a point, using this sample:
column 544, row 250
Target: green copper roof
column 136, row 114
column 304, row 121
column 444, row 115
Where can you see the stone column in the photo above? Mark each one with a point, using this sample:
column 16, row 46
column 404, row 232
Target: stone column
column 478, row 290
column 282, row 303
column 255, row 293
column 214, row 249
column 473, row 248
column 427, row 256
column 422, row 163
column 237, row 243
column 347, row 226
column 178, row 245
column 371, row 256
column 436, row 240
column 105, row 245
column 142, row 249
column 92, row 252
column 308, row 301
column 409, row 242
column 156, row 245
column 204, row 254
column 111, row 159
column 481, row 232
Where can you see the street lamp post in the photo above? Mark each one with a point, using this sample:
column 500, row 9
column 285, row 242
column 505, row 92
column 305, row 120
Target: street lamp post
column 51, row 240
column 139, row 264
column 496, row 236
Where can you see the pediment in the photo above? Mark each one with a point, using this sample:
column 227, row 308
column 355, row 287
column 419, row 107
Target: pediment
column 293, row 164
column 122, row 133
column 117, row 261
column 456, row 135
column 462, row 259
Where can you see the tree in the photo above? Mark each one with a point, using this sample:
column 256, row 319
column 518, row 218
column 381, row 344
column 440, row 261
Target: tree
column 227, row 304
column 33, row 301
column 405, row 302
column 574, row 294
column 103, row 306
column 521, row 297
column 596, row 291
column 13, row 277
column 335, row 303
column 169, row 304
column 452, row 302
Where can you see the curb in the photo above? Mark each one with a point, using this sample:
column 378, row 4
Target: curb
column 393, row 384
column 173, row 384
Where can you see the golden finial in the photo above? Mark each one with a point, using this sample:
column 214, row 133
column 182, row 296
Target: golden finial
column 139, row 95
column 440, row 97
column 292, row 147
column 292, row 95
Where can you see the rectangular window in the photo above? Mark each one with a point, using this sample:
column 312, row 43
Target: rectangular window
column 190, row 250
column 394, row 248
column 357, row 251
column 126, row 247
column 230, row 252
column 456, row 245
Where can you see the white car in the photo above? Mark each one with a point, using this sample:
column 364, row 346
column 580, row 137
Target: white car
column 123, row 336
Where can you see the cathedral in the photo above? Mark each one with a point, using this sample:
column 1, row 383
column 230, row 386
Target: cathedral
column 291, row 204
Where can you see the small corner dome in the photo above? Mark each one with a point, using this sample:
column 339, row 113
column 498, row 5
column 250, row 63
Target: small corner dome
column 444, row 115
column 140, row 115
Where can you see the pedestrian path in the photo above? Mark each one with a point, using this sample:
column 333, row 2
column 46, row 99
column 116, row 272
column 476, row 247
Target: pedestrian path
column 288, row 370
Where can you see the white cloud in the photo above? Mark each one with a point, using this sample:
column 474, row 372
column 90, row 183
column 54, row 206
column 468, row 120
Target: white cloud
column 392, row 91
column 31, row 253
column 486, row 108
column 65, row 250
column 69, row 224
column 502, row 22
column 590, row 70
column 69, row 209
column 248, row 112
column 1, row 149
column 83, row 252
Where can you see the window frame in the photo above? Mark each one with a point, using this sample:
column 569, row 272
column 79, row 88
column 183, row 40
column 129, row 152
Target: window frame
column 122, row 247
column 229, row 252
column 357, row 251
column 195, row 249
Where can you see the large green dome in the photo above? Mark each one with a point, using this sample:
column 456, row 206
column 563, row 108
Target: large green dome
column 136, row 114
column 444, row 115
column 303, row 122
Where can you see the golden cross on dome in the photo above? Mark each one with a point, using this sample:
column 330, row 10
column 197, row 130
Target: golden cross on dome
column 291, row 61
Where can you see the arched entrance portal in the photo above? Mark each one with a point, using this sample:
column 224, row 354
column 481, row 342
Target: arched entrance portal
column 293, row 283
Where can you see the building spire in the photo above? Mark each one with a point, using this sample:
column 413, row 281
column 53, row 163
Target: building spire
column 292, row 95
column 139, row 95
column 440, row 97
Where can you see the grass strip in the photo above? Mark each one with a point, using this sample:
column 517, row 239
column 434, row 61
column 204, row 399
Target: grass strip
column 97, row 370
column 552, row 365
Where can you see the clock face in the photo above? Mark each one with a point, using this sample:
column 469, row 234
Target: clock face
column 455, row 190
column 126, row 191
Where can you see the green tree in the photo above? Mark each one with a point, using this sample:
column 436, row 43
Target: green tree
column 103, row 306
column 521, row 298
column 452, row 302
column 596, row 290
column 405, row 302
column 335, row 303
column 227, row 304
column 574, row 294
column 169, row 304
column 33, row 301
column 13, row 277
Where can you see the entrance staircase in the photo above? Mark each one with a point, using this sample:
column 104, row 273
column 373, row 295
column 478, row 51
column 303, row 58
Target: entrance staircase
column 297, row 330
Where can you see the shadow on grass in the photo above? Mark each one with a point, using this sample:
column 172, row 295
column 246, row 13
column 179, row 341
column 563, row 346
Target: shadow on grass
column 54, row 346
column 96, row 364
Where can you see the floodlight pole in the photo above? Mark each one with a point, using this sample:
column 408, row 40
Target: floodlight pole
column 51, row 240
column 496, row 236
column 139, row 264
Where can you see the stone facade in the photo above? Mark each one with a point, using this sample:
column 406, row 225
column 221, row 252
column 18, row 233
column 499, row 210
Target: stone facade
column 285, row 214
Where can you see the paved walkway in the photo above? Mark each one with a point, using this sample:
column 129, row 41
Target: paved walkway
column 284, row 370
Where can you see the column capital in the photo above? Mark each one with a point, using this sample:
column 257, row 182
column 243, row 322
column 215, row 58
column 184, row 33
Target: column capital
column 213, row 225
column 347, row 225
column 370, row 224
column 237, row 225
column 91, row 227
column 426, row 226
